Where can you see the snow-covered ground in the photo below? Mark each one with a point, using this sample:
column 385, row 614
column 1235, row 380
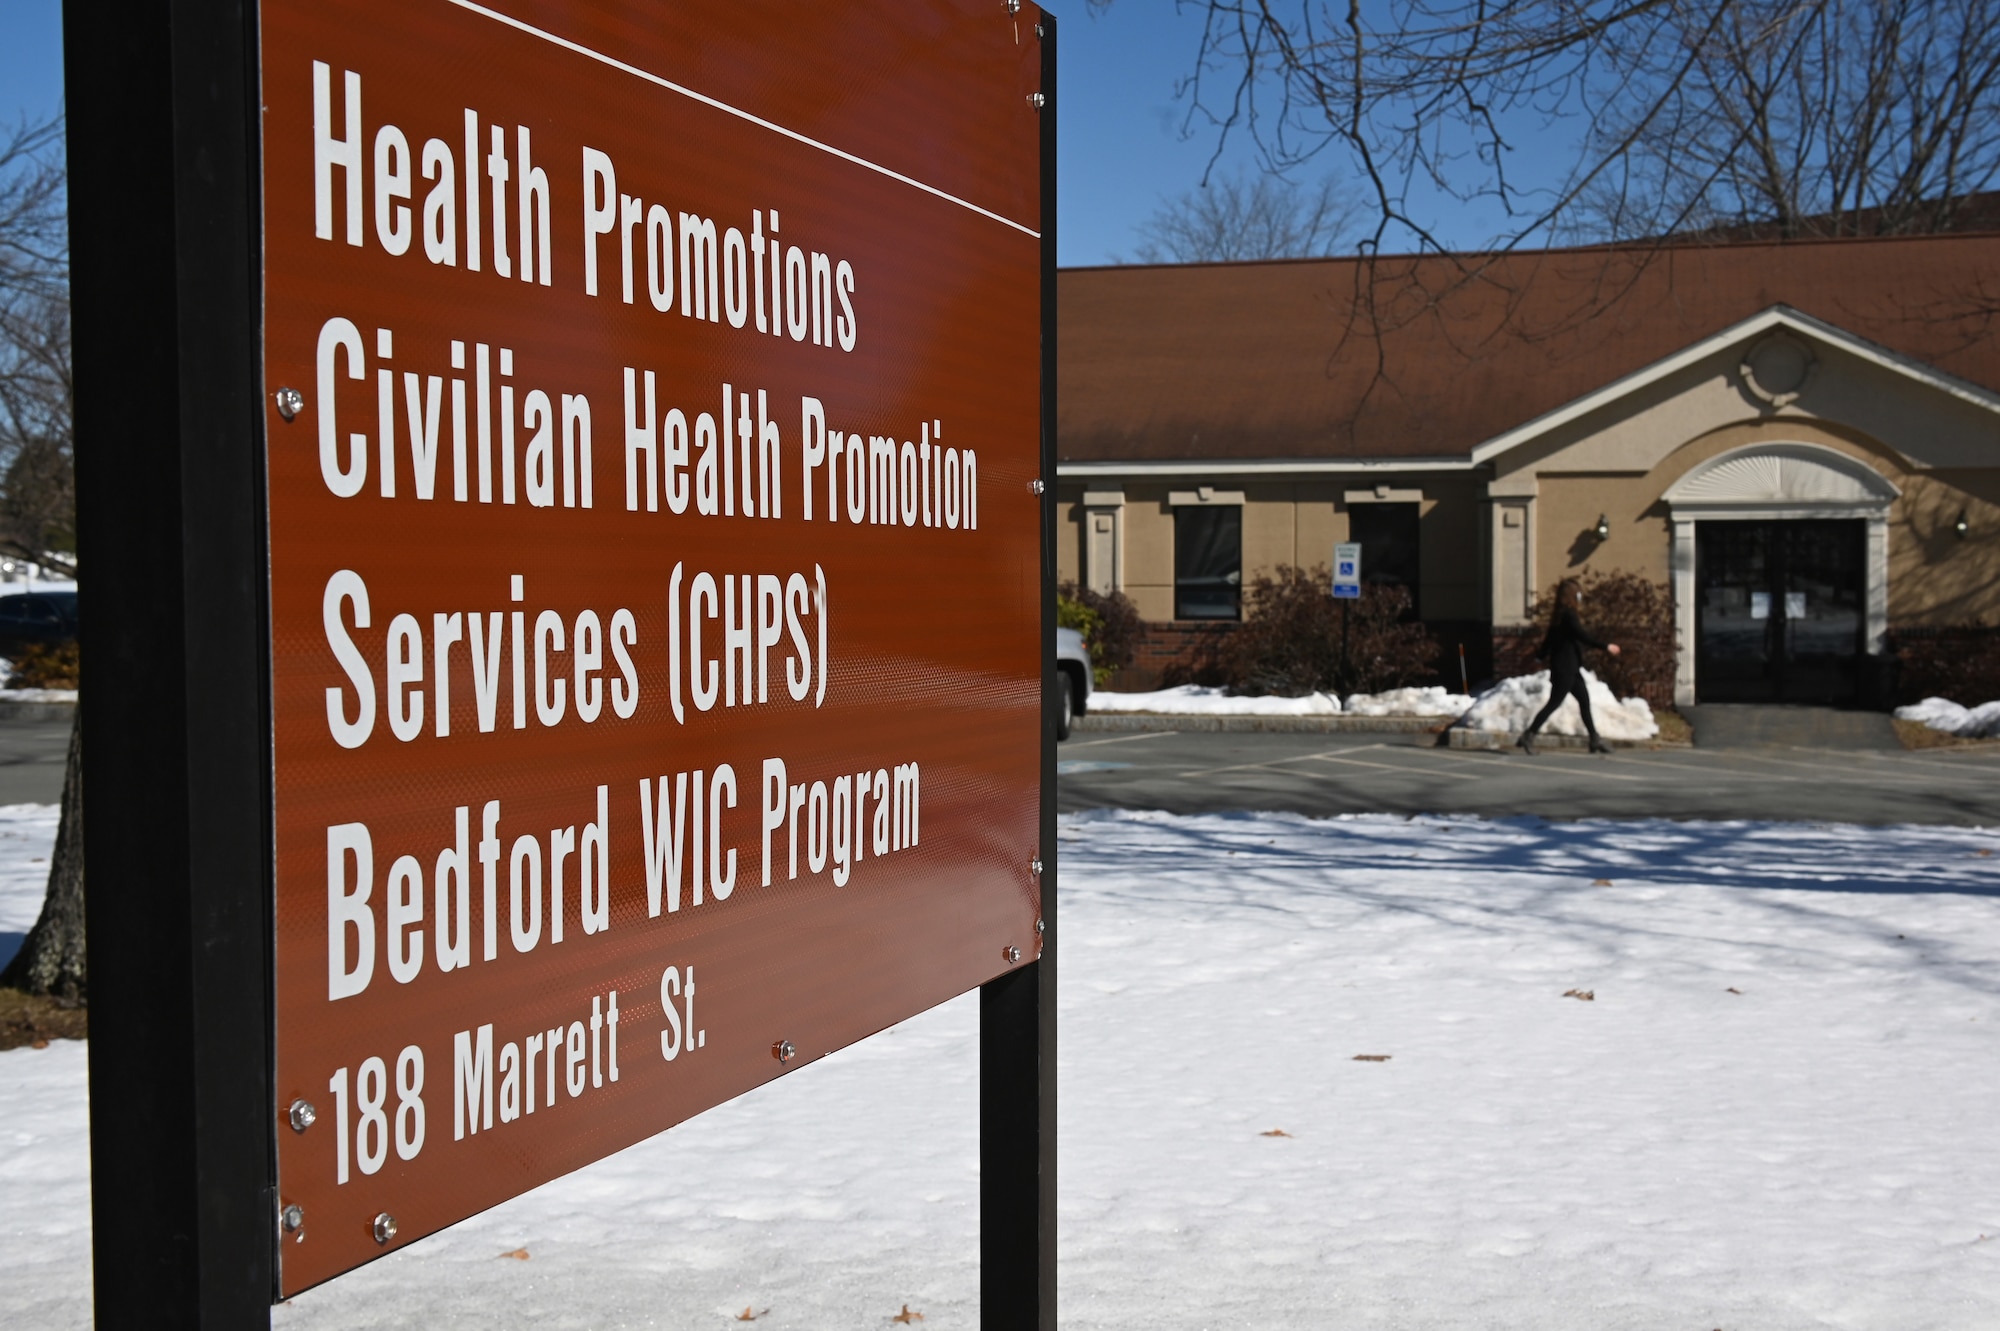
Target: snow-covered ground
column 27, row 834
column 1981, row 722
column 1770, row 1106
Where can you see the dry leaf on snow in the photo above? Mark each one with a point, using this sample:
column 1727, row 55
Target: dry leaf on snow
column 1371, row 1058
column 519, row 1254
column 1600, row 882
column 906, row 1316
column 748, row 1316
column 1275, row 1132
column 1586, row 995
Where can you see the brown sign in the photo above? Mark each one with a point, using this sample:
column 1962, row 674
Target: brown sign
column 655, row 618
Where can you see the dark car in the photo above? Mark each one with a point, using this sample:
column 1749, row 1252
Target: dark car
column 45, row 619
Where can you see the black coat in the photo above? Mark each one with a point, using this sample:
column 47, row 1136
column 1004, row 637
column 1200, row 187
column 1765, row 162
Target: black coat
column 1563, row 647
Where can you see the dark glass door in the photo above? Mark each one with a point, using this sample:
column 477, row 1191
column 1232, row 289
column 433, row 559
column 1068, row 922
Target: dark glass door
column 1389, row 536
column 1779, row 610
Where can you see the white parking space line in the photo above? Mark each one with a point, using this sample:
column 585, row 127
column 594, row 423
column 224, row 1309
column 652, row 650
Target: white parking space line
column 1251, row 767
column 1956, row 766
column 1560, row 767
column 1711, row 769
column 1820, row 766
column 1117, row 739
column 1400, row 767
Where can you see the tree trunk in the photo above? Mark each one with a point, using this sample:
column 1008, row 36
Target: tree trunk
column 51, row 960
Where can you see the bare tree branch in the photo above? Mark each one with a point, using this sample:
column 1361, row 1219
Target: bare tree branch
column 1814, row 117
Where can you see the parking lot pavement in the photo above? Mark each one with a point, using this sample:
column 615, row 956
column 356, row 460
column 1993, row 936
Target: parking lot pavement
column 1329, row 774
column 32, row 756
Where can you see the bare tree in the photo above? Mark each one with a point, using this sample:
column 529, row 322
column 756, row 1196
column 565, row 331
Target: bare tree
column 1810, row 116
column 1827, row 119
column 37, row 480
column 37, row 489
column 1248, row 216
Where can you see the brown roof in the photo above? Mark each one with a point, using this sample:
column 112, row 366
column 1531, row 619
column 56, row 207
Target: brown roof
column 1282, row 358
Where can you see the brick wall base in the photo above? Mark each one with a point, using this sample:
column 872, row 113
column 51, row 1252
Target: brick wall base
column 1182, row 652
column 1175, row 652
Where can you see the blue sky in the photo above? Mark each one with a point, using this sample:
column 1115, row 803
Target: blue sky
column 30, row 57
column 1122, row 149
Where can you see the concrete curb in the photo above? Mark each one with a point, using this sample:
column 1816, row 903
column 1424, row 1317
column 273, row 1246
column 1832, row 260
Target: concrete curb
column 1296, row 725
column 37, row 711
column 1495, row 741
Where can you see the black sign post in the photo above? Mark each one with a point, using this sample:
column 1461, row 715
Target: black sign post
column 1017, row 1013
column 166, row 246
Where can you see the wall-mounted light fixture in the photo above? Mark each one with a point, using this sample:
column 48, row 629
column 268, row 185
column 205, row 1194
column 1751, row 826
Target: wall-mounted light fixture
column 1961, row 528
column 1604, row 528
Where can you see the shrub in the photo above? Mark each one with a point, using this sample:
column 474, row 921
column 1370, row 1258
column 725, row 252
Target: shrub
column 1618, row 607
column 1110, row 625
column 39, row 667
column 1961, row 663
column 1291, row 641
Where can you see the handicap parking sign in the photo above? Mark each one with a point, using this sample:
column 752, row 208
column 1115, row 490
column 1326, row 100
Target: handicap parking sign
column 1347, row 571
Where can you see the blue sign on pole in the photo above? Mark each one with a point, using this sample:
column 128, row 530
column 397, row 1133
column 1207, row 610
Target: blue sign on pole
column 1347, row 571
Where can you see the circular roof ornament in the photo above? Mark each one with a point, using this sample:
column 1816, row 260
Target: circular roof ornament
column 1777, row 369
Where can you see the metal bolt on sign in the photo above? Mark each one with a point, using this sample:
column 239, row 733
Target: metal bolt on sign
column 290, row 402
column 1037, row 101
column 293, row 1218
column 1036, row 485
column 1035, row 866
column 783, row 1051
column 302, row 1115
column 385, row 1227
column 1012, row 953
column 1040, row 928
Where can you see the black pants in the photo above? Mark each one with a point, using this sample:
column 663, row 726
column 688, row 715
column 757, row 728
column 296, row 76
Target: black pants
column 1566, row 684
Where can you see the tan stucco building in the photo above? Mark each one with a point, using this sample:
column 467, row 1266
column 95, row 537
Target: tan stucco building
column 1802, row 439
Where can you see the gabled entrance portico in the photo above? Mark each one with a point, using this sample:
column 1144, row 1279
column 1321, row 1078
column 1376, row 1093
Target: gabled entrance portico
column 1780, row 573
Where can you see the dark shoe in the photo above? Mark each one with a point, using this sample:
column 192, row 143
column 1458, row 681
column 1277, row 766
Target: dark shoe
column 1598, row 746
column 1526, row 743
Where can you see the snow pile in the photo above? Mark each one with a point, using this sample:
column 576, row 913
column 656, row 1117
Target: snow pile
column 1981, row 722
column 1510, row 706
column 1432, row 701
column 1351, row 1044
column 1195, row 700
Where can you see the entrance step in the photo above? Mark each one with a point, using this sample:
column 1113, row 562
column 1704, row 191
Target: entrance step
column 1769, row 726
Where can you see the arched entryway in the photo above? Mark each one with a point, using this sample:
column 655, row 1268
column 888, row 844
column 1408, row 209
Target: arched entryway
column 1781, row 574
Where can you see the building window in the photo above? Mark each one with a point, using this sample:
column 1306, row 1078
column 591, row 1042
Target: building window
column 1208, row 562
column 1389, row 543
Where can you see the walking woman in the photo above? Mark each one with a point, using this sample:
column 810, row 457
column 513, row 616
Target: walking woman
column 1563, row 650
